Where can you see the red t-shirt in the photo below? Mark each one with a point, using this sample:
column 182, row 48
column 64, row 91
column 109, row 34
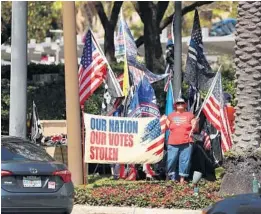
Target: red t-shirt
column 180, row 128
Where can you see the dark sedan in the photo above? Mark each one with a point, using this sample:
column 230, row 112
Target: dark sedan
column 238, row 204
column 32, row 181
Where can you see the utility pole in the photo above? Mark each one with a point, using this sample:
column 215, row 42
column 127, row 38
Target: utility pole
column 18, row 80
column 72, row 93
column 177, row 50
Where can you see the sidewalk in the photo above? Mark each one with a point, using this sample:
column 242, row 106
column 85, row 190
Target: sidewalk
column 85, row 209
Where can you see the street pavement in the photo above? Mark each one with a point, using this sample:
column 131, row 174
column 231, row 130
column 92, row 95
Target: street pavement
column 85, row 209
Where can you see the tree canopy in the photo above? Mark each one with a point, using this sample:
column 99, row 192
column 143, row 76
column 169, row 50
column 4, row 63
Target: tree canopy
column 42, row 17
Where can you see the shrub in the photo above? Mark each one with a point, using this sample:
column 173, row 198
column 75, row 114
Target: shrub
column 156, row 194
column 49, row 97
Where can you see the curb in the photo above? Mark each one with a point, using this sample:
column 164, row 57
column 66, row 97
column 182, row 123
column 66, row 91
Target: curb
column 84, row 209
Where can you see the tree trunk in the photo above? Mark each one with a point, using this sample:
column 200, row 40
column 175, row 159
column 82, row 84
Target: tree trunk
column 245, row 158
column 152, row 45
column 109, row 43
column 168, row 20
column 109, row 26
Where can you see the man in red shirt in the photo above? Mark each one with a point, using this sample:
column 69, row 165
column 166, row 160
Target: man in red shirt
column 180, row 124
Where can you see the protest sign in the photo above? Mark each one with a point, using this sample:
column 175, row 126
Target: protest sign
column 123, row 140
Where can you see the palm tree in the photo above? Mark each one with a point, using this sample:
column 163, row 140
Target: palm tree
column 245, row 158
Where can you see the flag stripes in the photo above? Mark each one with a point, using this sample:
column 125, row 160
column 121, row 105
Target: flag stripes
column 93, row 69
column 159, row 141
column 166, row 87
column 206, row 140
column 214, row 112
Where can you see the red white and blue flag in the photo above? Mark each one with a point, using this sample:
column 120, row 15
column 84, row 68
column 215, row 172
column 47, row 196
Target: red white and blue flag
column 214, row 111
column 157, row 135
column 93, row 69
column 206, row 140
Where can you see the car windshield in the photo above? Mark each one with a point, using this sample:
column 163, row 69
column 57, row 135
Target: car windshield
column 21, row 151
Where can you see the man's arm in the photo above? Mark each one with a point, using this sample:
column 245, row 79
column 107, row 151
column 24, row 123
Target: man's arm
column 195, row 124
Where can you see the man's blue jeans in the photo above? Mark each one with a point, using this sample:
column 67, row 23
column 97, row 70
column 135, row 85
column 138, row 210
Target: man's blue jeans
column 179, row 154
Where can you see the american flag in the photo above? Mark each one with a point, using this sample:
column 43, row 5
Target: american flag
column 206, row 140
column 214, row 111
column 198, row 72
column 158, row 135
column 152, row 130
column 93, row 69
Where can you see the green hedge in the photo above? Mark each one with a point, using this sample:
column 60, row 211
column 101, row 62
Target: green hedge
column 33, row 69
column 50, row 97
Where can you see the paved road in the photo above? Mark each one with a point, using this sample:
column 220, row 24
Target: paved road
column 80, row 209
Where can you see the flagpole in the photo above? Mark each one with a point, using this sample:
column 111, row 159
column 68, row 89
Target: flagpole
column 166, row 71
column 125, row 65
column 100, row 49
column 177, row 75
column 85, row 166
column 207, row 97
column 125, row 49
column 123, row 32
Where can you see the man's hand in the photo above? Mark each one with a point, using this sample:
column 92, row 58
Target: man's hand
column 194, row 121
column 167, row 122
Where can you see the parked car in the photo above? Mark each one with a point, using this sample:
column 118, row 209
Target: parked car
column 32, row 181
column 238, row 204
